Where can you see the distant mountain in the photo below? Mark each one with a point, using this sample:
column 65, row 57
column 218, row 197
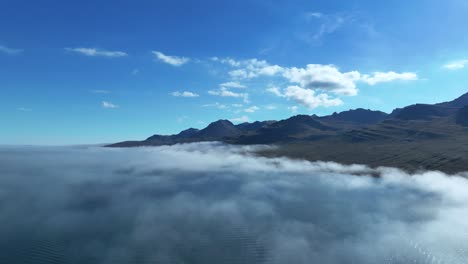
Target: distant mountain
column 248, row 127
column 457, row 103
column 413, row 137
column 219, row 129
column 359, row 116
column 422, row 112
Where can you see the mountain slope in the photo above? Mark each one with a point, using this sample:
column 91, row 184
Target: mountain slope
column 420, row 136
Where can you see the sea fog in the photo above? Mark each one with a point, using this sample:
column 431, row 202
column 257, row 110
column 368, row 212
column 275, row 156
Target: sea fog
column 215, row 203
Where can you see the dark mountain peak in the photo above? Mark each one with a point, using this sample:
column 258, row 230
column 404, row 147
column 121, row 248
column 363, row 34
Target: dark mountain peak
column 359, row 115
column 421, row 112
column 299, row 122
column 246, row 126
column 301, row 118
column 188, row 133
column 219, row 129
column 458, row 103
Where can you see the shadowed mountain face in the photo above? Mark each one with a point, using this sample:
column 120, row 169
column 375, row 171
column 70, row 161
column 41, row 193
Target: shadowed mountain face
column 420, row 136
column 462, row 116
column 358, row 116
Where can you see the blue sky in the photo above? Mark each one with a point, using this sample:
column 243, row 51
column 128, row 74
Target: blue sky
column 74, row 72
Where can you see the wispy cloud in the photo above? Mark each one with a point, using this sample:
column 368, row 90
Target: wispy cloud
column 184, row 94
column 24, row 109
column 110, row 105
column 380, row 77
column 455, row 65
column 172, row 60
column 252, row 109
column 232, row 85
column 101, row 91
column 313, row 15
column 9, row 51
column 93, row 52
column 216, row 105
column 241, row 119
column 293, row 109
column 275, row 90
column 224, row 92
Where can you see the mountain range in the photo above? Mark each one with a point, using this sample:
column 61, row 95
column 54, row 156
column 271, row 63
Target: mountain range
column 416, row 137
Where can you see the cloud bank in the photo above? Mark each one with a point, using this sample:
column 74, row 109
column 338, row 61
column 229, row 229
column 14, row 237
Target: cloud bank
column 214, row 203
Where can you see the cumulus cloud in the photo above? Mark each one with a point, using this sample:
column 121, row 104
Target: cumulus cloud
column 184, row 94
column 325, row 78
column 93, row 52
column 106, row 104
column 214, row 203
column 455, row 65
column 313, row 79
column 309, row 98
column 172, row 60
column 9, row 51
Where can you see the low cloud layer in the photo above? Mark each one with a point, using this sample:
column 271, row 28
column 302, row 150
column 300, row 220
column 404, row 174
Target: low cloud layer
column 213, row 203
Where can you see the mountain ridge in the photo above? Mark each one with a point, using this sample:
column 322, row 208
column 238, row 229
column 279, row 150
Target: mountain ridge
column 358, row 135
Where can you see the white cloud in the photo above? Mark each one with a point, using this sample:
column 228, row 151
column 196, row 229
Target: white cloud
column 325, row 78
column 455, row 65
column 270, row 107
column 314, row 15
column 252, row 109
column 329, row 25
column 275, row 90
column 224, row 92
column 92, row 52
column 101, row 91
column 184, row 94
column 293, row 109
column 232, row 85
column 24, row 109
column 9, row 51
column 109, row 105
column 237, row 105
column 379, row 77
column 250, row 68
column 241, row 119
column 309, row 99
column 216, row 105
column 315, row 81
column 172, row 60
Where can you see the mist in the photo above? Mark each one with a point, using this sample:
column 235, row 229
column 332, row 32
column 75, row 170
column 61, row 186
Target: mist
column 216, row 203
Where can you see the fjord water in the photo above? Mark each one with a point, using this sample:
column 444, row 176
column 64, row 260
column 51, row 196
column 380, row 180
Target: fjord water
column 214, row 203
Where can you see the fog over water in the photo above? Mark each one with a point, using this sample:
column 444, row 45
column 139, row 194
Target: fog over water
column 213, row 203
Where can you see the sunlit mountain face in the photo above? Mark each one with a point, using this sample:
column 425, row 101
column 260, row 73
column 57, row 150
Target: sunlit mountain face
column 215, row 203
